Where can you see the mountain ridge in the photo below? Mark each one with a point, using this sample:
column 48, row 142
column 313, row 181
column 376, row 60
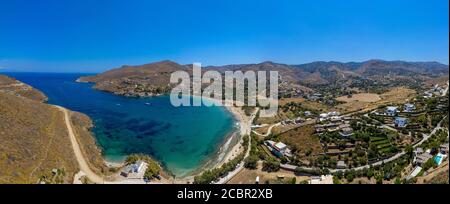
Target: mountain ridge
column 153, row 78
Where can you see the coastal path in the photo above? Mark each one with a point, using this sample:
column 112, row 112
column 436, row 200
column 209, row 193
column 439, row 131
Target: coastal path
column 84, row 167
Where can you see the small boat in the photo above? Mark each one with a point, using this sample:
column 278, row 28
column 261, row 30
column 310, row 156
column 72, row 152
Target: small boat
column 148, row 104
column 118, row 104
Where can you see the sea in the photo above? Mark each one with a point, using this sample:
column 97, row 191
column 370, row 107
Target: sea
column 182, row 139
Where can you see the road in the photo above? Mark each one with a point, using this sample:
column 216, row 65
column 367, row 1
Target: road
column 425, row 138
column 84, row 167
column 269, row 131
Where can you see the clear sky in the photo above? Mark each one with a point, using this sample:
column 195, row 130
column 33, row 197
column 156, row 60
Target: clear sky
column 92, row 36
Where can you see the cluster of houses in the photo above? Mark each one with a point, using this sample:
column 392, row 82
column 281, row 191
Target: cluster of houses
column 279, row 149
column 330, row 116
column 332, row 122
column 393, row 111
column 295, row 121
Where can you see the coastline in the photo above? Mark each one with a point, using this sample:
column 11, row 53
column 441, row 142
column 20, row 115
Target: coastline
column 229, row 149
column 244, row 128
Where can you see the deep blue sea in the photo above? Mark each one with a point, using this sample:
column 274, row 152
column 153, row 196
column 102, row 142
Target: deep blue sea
column 182, row 138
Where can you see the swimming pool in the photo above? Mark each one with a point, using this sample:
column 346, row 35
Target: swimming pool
column 438, row 159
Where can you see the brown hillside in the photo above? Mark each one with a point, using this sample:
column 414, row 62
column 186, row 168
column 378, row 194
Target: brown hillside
column 12, row 86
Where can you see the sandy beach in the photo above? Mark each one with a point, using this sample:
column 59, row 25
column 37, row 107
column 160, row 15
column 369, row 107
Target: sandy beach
column 229, row 149
column 245, row 128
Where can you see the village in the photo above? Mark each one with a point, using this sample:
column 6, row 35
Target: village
column 390, row 143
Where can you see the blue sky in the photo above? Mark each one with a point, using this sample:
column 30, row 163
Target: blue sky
column 93, row 36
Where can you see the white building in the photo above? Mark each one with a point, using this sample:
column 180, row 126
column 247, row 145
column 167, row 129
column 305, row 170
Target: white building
column 323, row 179
column 409, row 107
column 391, row 110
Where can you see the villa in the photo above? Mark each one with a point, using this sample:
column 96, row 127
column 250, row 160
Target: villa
column 391, row 110
column 334, row 116
column 136, row 168
column 346, row 132
column 323, row 179
column 422, row 158
column 341, row 165
column 279, row 149
column 418, row 151
column 401, row 122
column 409, row 107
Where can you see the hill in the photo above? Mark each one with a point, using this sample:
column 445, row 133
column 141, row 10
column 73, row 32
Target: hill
column 11, row 85
column 35, row 145
column 373, row 75
column 144, row 80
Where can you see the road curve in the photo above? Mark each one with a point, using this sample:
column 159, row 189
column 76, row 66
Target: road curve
column 84, row 167
column 269, row 131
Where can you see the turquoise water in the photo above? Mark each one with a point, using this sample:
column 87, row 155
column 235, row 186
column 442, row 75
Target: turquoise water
column 182, row 139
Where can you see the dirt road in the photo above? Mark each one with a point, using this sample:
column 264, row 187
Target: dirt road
column 84, row 167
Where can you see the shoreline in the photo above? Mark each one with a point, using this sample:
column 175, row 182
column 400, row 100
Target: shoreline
column 244, row 127
column 227, row 150
column 232, row 148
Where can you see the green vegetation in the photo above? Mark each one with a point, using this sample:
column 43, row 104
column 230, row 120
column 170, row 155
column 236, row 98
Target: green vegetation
column 271, row 165
column 212, row 175
column 251, row 162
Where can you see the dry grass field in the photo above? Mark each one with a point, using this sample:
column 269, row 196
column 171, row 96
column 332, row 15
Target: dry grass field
column 362, row 97
column 247, row 176
column 397, row 95
column 302, row 139
column 12, row 86
column 35, row 141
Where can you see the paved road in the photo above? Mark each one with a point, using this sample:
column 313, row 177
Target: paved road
column 425, row 138
column 84, row 167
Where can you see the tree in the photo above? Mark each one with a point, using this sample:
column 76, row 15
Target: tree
column 409, row 151
column 422, row 119
column 350, row 176
column 429, row 164
column 271, row 166
column 251, row 162
column 153, row 170
column 293, row 180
